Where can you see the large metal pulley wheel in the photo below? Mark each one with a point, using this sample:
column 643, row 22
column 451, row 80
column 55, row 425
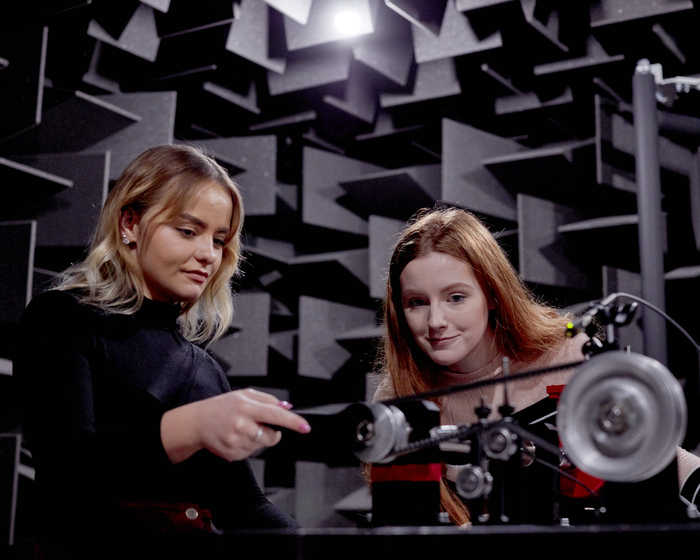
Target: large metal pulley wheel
column 621, row 417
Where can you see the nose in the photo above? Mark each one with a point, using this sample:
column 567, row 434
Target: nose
column 436, row 317
column 206, row 252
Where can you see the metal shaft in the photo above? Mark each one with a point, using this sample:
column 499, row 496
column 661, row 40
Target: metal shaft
column 652, row 227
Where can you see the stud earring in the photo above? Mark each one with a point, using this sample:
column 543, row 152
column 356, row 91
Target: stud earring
column 125, row 240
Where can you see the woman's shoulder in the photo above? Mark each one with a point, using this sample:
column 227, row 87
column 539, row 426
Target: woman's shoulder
column 53, row 299
column 56, row 319
column 571, row 348
column 565, row 350
column 58, row 307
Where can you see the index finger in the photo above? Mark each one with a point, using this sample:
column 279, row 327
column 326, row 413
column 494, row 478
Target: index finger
column 277, row 417
column 265, row 398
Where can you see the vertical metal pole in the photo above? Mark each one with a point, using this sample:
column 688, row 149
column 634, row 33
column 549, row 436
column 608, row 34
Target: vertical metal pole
column 652, row 229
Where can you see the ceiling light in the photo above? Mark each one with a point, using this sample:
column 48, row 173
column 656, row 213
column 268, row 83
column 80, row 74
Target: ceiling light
column 348, row 22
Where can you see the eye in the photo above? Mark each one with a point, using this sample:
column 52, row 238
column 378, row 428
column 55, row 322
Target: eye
column 457, row 298
column 186, row 232
column 415, row 302
column 221, row 243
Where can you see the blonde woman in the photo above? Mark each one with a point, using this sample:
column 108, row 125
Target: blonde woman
column 132, row 425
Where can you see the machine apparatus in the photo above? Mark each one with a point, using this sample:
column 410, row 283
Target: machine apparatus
column 601, row 449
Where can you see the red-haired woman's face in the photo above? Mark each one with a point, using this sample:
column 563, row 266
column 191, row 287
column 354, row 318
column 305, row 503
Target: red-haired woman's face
column 178, row 258
column 447, row 312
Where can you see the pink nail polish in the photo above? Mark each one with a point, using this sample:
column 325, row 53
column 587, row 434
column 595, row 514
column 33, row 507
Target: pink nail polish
column 304, row 428
column 284, row 404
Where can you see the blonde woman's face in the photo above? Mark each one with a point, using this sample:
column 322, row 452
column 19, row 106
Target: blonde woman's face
column 178, row 258
column 447, row 312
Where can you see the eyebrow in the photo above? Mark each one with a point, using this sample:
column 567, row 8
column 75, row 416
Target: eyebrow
column 201, row 223
column 454, row 285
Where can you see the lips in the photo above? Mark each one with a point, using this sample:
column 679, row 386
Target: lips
column 198, row 276
column 440, row 341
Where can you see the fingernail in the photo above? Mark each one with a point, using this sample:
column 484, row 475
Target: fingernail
column 284, row 404
column 304, row 428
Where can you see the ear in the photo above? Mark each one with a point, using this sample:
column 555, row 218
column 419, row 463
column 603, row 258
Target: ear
column 129, row 224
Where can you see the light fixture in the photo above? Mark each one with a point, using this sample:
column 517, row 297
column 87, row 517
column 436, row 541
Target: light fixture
column 347, row 21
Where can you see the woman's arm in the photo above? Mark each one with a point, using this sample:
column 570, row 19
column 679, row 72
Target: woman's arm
column 227, row 425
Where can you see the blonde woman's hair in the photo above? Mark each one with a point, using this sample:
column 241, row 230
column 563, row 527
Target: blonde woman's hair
column 155, row 187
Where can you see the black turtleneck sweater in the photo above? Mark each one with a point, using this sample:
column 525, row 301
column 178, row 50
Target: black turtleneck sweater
column 93, row 388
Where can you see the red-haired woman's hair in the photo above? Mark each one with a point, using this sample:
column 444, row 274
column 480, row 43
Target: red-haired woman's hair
column 523, row 327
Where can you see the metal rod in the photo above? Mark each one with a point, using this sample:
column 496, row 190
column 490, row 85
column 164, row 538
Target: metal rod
column 652, row 228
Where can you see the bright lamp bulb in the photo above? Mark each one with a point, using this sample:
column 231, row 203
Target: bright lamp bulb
column 347, row 22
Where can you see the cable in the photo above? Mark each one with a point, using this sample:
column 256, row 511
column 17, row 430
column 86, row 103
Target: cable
column 664, row 315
